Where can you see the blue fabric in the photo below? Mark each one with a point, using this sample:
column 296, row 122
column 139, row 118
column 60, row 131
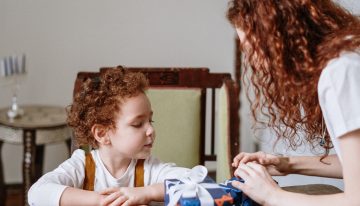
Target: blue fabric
column 190, row 201
column 240, row 199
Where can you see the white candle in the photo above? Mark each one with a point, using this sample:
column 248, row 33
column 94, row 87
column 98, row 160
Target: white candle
column 23, row 65
column 2, row 68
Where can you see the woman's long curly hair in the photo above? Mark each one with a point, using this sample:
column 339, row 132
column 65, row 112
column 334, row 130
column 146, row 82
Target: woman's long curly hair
column 99, row 101
column 288, row 43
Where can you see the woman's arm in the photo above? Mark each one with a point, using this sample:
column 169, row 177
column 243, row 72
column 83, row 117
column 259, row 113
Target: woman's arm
column 311, row 165
column 260, row 186
column 350, row 147
column 304, row 165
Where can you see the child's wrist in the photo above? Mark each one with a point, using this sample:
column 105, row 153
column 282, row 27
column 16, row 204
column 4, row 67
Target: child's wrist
column 99, row 198
column 155, row 192
column 150, row 193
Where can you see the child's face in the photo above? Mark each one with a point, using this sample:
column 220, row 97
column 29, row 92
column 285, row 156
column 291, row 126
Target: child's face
column 134, row 134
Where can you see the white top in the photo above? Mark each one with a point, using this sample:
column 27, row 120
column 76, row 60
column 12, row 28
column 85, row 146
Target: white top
column 339, row 96
column 48, row 189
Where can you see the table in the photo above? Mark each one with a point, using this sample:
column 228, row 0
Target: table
column 40, row 125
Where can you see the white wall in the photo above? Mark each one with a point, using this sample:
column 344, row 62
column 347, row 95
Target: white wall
column 61, row 38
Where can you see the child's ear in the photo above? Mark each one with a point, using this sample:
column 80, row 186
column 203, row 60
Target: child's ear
column 100, row 133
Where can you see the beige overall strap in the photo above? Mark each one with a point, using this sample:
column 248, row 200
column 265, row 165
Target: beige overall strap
column 139, row 173
column 89, row 172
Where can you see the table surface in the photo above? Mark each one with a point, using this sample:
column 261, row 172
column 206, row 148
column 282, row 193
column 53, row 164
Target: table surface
column 36, row 116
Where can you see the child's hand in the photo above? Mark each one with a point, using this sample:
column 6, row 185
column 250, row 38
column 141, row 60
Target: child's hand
column 124, row 196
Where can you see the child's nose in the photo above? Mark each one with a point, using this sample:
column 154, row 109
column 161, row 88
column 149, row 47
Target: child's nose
column 150, row 131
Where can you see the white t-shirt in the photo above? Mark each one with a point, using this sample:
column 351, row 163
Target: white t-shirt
column 339, row 96
column 48, row 189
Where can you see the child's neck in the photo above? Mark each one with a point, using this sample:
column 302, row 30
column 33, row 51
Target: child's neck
column 114, row 163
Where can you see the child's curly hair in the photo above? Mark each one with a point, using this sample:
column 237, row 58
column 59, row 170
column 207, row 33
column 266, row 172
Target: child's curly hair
column 99, row 100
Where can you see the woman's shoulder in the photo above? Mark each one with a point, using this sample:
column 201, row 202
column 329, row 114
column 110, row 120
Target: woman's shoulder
column 341, row 69
column 348, row 57
column 347, row 62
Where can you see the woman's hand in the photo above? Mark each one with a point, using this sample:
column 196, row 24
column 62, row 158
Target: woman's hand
column 124, row 196
column 275, row 165
column 258, row 184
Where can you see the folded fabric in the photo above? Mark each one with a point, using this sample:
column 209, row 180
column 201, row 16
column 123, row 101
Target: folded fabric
column 197, row 189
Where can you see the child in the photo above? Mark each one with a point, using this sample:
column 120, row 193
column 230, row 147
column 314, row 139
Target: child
column 113, row 115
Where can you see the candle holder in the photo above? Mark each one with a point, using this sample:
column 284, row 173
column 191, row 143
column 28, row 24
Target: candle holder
column 13, row 72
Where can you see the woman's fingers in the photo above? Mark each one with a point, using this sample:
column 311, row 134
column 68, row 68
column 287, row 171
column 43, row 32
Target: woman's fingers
column 239, row 185
column 247, row 158
column 242, row 171
column 237, row 159
column 274, row 164
column 243, row 157
column 251, row 169
column 258, row 169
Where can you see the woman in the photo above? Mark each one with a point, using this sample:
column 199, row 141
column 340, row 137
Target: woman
column 304, row 63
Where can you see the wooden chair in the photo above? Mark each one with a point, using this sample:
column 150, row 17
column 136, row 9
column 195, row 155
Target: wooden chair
column 195, row 113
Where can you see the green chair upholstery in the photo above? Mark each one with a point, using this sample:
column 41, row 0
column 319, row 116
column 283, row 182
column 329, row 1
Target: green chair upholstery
column 177, row 124
column 228, row 123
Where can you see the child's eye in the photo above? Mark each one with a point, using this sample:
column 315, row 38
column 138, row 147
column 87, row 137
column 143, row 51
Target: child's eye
column 137, row 125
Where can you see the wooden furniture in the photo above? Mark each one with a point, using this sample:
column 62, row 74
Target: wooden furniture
column 40, row 125
column 313, row 189
column 184, row 101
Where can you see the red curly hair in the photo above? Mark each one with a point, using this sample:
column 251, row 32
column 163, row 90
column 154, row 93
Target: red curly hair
column 99, row 101
column 290, row 42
